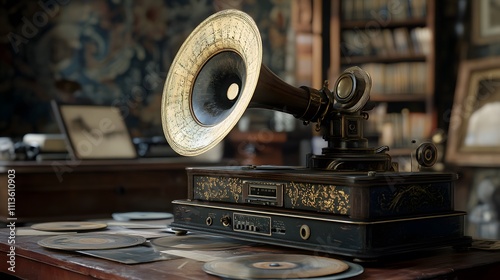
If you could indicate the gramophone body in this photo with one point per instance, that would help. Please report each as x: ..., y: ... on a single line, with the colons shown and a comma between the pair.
x: 350, y: 200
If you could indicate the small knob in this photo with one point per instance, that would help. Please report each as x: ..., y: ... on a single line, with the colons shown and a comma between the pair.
x: 427, y: 154
x: 305, y: 232
x: 225, y: 220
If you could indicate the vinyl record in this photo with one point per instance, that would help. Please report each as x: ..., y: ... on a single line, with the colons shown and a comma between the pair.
x: 198, y: 242
x: 130, y: 216
x: 275, y: 266
x: 91, y: 241
x: 69, y: 226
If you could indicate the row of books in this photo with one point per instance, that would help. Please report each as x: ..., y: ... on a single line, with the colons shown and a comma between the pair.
x: 386, y: 42
x: 383, y: 10
x: 397, y: 78
x: 398, y: 130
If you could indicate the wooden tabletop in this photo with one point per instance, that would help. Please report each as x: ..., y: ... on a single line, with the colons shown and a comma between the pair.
x: 35, y: 262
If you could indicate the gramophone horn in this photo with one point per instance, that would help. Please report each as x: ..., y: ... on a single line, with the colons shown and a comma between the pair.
x: 215, y: 76
x: 211, y: 82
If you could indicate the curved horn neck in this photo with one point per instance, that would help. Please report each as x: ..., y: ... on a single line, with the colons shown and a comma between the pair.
x: 273, y: 93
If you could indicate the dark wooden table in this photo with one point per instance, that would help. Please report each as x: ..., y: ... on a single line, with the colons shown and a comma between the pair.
x: 35, y: 262
x: 92, y: 189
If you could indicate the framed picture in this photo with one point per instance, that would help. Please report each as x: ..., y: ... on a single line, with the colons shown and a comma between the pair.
x: 474, y: 132
x: 485, y: 21
x: 94, y: 132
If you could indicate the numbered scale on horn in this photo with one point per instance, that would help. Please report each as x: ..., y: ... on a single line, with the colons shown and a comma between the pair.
x: 347, y: 200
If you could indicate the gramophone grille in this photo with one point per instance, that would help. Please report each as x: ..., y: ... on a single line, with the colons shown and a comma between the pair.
x: 211, y: 82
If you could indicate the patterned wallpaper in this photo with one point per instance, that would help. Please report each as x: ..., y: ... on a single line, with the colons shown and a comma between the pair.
x: 107, y: 52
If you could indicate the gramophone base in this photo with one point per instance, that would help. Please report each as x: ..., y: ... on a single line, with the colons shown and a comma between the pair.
x: 322, y: 232
x: 364, y: 215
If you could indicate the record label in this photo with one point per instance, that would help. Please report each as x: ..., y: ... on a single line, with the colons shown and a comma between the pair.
x: 275, y: 265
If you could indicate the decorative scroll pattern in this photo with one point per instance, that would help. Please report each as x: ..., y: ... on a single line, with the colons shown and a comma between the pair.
x: 318, y: 197
x: 414, y: 198
x: 217, y: 188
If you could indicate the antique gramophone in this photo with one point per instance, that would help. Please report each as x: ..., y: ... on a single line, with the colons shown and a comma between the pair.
x: 350, y: 200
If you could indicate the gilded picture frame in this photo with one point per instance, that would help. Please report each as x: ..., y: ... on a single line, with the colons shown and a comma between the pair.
x: 485, y: 21
x: 474, y: 131
x: 94, y: 132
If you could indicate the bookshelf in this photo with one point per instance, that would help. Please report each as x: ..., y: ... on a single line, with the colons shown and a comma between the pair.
x: 394, y: 42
